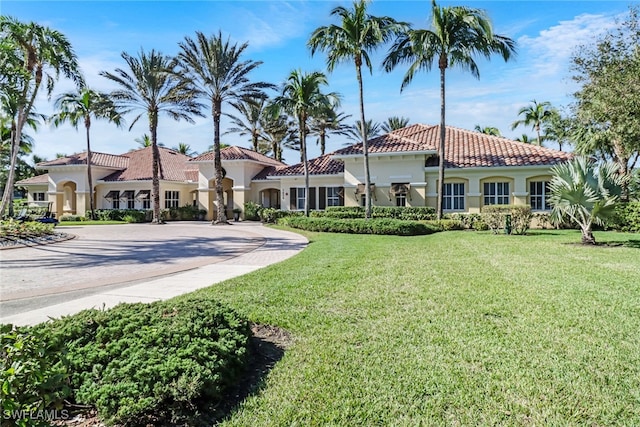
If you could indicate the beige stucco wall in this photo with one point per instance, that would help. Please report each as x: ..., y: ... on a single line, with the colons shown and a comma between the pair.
x: 286, y: 183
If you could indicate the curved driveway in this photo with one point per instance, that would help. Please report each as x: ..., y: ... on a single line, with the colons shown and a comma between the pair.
x: 108, y: 257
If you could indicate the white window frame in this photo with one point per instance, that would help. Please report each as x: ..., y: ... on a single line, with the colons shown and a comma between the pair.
x: 171, y: 199
x: 115, y: 202
x: 401, y: 200
x: 333, y: 196
x: 542, y: 199
x: 38, y: 196
x: 301, y: 195
x: 496, y: 193
x: 453, y: 198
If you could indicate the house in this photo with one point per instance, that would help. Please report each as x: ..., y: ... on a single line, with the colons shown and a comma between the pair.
x: 480, y: 170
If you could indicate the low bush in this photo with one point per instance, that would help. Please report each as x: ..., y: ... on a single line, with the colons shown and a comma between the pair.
x: 153, y: 363
x: 12, y: 229
x: 447, y: 224
x: 409, y: 213
x: 72, y: 218
x: 471, y: 221
x: 627, y: 217
x: 272, y: 215
x: 252, y: 211
x: 33, y: 377
x: 361, y: 226
x: 495, y: 216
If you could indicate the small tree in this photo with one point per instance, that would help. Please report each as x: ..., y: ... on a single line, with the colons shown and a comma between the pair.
x: 585, y: 193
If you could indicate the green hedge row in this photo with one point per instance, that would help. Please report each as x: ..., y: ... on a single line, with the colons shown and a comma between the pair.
x: 361, y: 226
x: 418, y: 213
x: 627, y: 217
x: 158, y: 363
x: 183, y: 213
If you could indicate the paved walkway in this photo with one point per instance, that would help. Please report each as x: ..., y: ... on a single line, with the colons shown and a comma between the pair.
x: 108, y: 265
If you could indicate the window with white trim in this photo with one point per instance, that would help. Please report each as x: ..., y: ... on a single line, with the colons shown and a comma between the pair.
x: 300, y: 198
x: 539, y: 195
x: 171, y: 199
x: 453, y: 197
x: 333, y: 196
x: 401, y: 199
x: 115, y: 202
x: 38, y: 197
x: 496, y: 193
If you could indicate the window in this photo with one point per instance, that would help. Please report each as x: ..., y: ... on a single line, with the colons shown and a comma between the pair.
x: 496, y: 193
x: 539, y: 193
x: 453, y: 198
x: 363, y: 200
x: 38, y: 197
x: 115, y: 201
x: 146, y: 203
x: 333, y: 196
x: 171, y: 199
x: 300, y: 197
x: 128, y: 196
x: 401, y: 199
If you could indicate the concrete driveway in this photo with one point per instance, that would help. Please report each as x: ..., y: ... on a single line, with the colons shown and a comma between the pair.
x: 107, y: 257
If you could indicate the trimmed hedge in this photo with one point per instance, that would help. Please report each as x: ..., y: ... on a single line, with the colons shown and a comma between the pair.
x: 495, y: 217
x: 156, y: 363
x: 409, y: 213
x: 627, y: 217
x: 361, y: 226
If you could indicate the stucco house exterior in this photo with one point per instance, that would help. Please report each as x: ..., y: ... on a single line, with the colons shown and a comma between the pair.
x: 480, y: 170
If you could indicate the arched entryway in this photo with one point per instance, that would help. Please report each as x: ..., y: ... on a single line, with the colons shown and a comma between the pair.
x: 66, y: 199
x: 270, y: 198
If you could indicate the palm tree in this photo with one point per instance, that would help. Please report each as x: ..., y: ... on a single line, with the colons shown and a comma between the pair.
x: 33, y: 54
x: 372, y: 129
x: 144, y: 141
x: 525, y: 139
x: 357, y: 36
x: 80, y: 106
x: 301, y: 97
x: 278, y: 130
x: 328, y: 122
x: 488, y: 130
x: 457, y: 35
x: 585, y: 192
x: 394, y: 123
x: 221, y: 76
x: 558, y: 129
x: 251, y: 110
x: 150, y: 87
x: 185, y: 149
x: 535, y: 115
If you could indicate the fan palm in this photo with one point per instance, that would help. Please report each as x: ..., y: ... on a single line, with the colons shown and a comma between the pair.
x: 150, y: 87
x: 535, y: 115
x: 301, y: 97
x: 394, y: 123
x: 32, y: 55
x: 78, y: 107
x: 220, y: 74
x: 585, y: 192
x: 457, y: 35
x: 251, y: 110
x: 328, y: 122
x: 357, y: 36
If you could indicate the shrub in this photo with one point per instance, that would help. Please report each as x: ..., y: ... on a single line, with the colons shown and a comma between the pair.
x: 72, y: 218
x: 447, y: 224
x: 252, y: 211
x: 152, y: 363
x: 33, y: 377
x: 272, y: 215
x: 409, y: 213
x: 495, y: 216
x: 627, y: 217
x: 12, y: 229
x: 469, y: 220
x: 361, y: 226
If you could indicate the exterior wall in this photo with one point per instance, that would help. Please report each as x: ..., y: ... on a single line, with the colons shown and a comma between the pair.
x: 517, y: 177
x: 32, y: 189
x: 385, y: 171
x: 287, y: 183
x: 102, y: 189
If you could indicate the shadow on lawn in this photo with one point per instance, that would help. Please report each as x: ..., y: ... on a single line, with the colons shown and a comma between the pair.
x: 624, y: 243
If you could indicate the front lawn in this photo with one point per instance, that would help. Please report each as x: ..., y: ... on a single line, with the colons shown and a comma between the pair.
x: 455, y: 328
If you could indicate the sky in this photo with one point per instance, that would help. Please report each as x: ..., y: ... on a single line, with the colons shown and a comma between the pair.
x: 547, y: 33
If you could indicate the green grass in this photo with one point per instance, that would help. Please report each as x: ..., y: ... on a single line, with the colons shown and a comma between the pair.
x: 74, y: 223
x: 455, y: 328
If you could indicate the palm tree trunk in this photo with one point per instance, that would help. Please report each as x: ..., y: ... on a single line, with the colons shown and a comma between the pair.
x: 443, y: 135
x: 155, y: 183
x: 587, y: 236
x: 305, y: 166
x: 365, y: 143
x: 323, y: 142
x: 89, y: 177
x: 217, y: 163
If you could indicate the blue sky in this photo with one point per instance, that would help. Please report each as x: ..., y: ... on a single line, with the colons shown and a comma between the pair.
x: 546, y: 33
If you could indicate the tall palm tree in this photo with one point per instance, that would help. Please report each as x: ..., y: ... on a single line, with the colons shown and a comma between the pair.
x: 488, y: 130
x: 328, y: 122
x: 33, y: 55
x: 185, y: 149
x: 558, y: 129
x: 278, y: 130
x: 78, y: 107
x: 585, y: 193
x: 251, y: 110
x: 535, y: 115
x: 150, y: 87
x: 357, y: 36
x: 456, y: 36
x: 301, y: 97
x: 394, y: 123
x: 372, y: 129
x: 221, y: 75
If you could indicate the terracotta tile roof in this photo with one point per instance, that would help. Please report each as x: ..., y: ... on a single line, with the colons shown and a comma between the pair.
x: 389, y: 143
x: 268, y: 171
x: 323, y: 165
x: 34, y: 180
x: 174, y: 166
x: 97, y: 159
x: 238, y: 153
